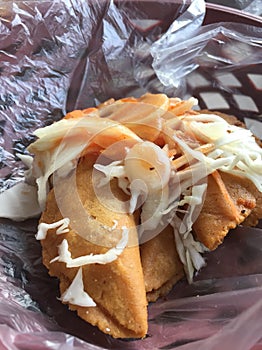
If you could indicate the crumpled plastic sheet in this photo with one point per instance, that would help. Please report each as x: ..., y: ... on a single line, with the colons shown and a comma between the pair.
x: 222, y: 306
x: 254, y: 7
x: 61, y: 55
x: 239, y: 46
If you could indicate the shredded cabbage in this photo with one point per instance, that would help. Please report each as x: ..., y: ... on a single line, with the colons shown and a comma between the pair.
x: 236, y: 145
x: 159, y: 206
x: 52, y: 160
x: 19, y: 202
x: 194, y: 200
x: 73, y: 128
x: 108, y: 257
x: 114, y: 169
x: 75, y: 293
x: 61, y: 225
x: 138, y: 191
x: 152, y: 210
x: 189, y: 251
x: 62, y: 142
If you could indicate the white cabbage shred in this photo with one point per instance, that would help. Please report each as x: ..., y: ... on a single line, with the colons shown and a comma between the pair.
x: 75, y: 294
x: 19, y: 202
x: 61, y: 143
x: 235, y: 145
x: 61, y: 226
x: 114, y: 169
x: 64, y: 255
x: 189, y: 250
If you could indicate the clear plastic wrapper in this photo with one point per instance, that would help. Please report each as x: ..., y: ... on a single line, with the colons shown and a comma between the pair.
x: 63, y: 55
x: 238, y: 47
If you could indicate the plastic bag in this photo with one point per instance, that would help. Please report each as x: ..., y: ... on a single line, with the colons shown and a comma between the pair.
x: 238, y: 46
x: 61, y: 55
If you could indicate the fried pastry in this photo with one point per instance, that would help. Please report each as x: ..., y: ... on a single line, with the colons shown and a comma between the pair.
x: 116, y: 288
x: 133, y: 192
x: 227, y: 204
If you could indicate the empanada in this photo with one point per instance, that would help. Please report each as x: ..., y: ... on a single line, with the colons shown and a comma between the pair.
x: 117, y: 288
x: 110, y: 178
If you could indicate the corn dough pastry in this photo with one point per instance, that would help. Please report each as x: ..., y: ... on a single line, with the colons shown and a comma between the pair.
x: 133, y: 192
x: 117, y: 287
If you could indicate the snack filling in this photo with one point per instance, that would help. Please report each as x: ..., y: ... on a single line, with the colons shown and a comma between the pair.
x: 132, y: 194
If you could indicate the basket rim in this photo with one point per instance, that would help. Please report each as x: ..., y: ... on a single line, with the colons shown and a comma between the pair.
x: 233, y: 11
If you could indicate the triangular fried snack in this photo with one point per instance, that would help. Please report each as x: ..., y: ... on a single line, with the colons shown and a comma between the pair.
x: 117, y: 287
x: 226, y: 205
x: 244, y: 192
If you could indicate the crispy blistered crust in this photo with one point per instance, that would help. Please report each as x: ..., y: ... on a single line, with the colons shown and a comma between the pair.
x: 117, y: 287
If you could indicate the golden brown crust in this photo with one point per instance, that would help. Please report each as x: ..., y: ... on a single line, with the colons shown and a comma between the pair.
x: 226, y: 205
x: 117, y: 287
x: 256, y: 213
x: 164, y: 289
x: 160, y: 260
